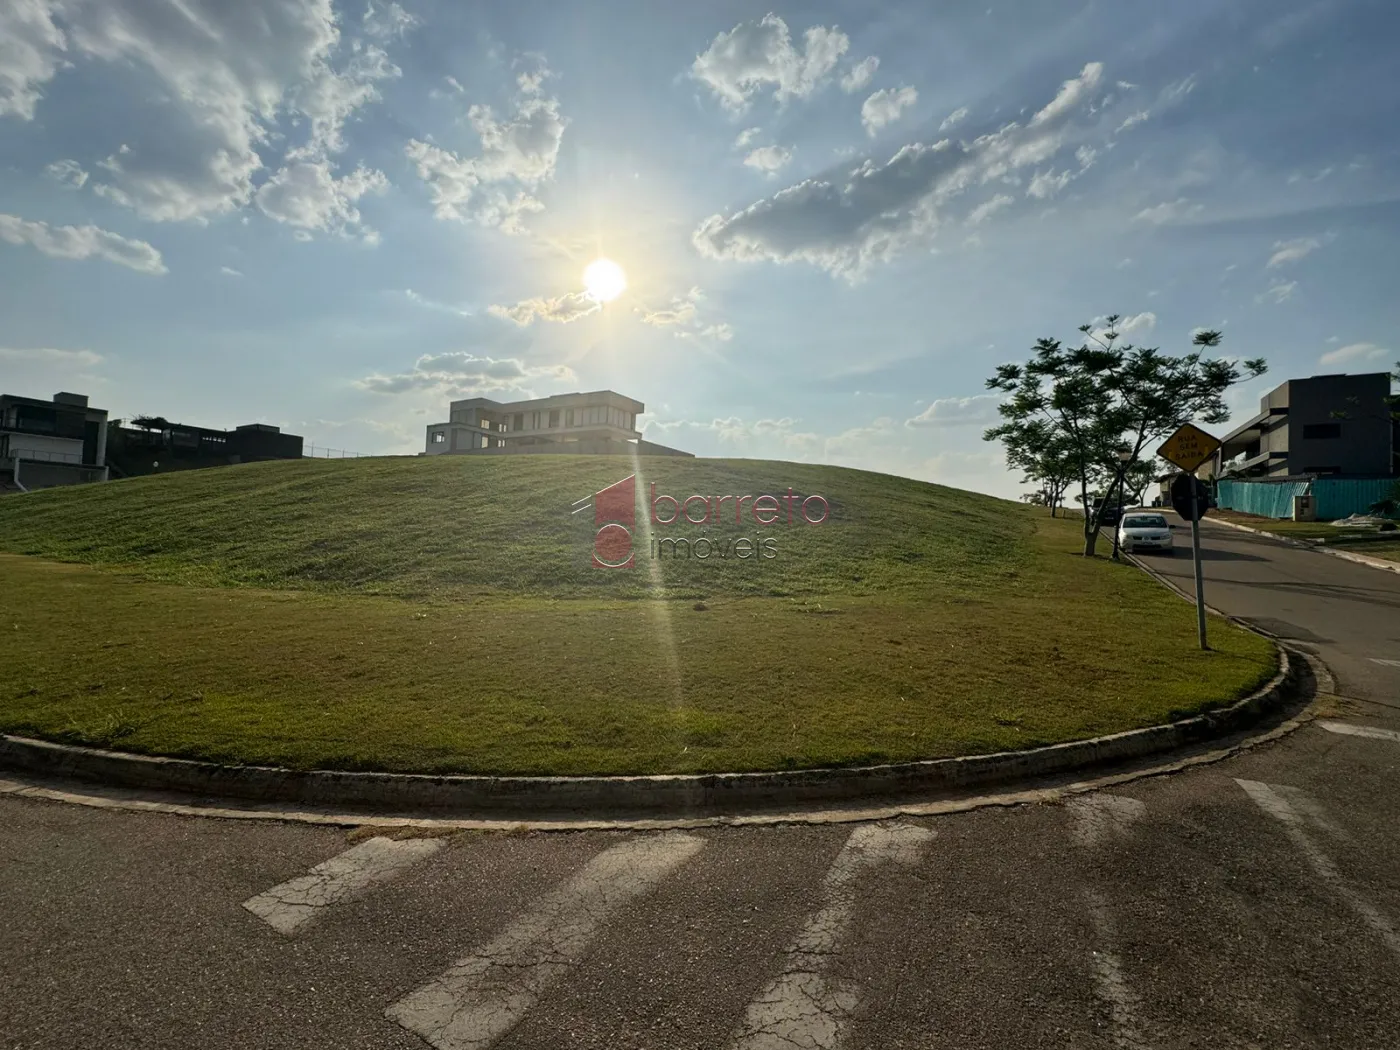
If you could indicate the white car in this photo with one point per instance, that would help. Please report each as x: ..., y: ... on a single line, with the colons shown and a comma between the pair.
x: 1141, y: 531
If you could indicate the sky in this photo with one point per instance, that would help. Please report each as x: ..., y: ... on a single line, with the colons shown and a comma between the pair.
x: 836, y: 218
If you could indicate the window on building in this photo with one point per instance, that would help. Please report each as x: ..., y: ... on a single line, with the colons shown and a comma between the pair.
x: 553, y: 418
x: 517, y: 421
x: 439, y: 436
x: 568, y: 417
x: 1321, y: 431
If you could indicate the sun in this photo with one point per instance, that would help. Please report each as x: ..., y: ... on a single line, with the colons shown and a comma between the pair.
x: 604, y: 280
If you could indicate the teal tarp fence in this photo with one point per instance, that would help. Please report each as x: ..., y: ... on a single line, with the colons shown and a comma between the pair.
x: 1267, y: 499
x: 1341, y: 497
x: 1334, y: 497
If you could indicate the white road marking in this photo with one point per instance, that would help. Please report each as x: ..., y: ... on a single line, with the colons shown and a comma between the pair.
x: 1371, y: 732
x: 1099, y: 816
x: 1276, y: 805
x: 1384, y: 663
x: 290, y: 906
x: 803, y: 1008
x: 484, y: 995
x: 1109, y: 983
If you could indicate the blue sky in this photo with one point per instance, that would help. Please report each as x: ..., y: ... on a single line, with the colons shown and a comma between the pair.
x: 836, y: 218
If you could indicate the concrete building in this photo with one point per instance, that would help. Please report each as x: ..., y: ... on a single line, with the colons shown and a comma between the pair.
x: 178, y: 446
x: 1319, y: 426
x: 62, y: 441
x: 598, y: 423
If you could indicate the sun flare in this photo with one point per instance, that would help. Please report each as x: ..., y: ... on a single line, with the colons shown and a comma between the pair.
x: 604, y: 280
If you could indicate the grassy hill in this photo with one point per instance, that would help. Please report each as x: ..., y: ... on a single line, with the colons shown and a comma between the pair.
x: 458, y: 526
x: 442, y: 614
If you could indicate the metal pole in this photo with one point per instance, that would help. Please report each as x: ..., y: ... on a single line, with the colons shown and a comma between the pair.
x: 1196, y: 558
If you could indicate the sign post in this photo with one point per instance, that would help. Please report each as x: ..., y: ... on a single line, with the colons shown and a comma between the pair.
x: 1188, y: 448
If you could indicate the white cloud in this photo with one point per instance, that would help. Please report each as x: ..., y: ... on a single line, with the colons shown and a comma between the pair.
x: 1143, y: 322
x: 723, y: 332
x: 1133, y: 121
x: 1292, y: 251
x: 769, y: 159
x: 681, y: 310
x: 561, y: 309
x: 859, y: 74
x: 754, y: 56
x: 52, y: 356
x: 683, y: 314
x: 30, y: 53
x: 958, y: 411
x: 388, y: 21
x: 1072, y: 93
x: 229, y: 271
x: 746, y: 136
x: 1045, y: 184
x: 224, y: 73
x: 845, y: 223
x: 433, y: 304
x: 953, y: 119
x: 67, y: 173
x: 82, y: 242
x: 987, y: 209
x: 517, y: 155
x: 1279, y: 292
x: 1168, y: 211
x: 307, y: 196
x: 885, y: 106
x: 1353, y: 352
x: 459, y: 373
x: 1085, y: 155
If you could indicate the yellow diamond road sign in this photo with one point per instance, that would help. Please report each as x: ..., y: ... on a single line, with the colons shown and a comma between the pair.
x: 1189, y: 447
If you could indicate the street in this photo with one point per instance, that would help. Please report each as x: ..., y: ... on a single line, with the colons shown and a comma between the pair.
x: 1251, y: 904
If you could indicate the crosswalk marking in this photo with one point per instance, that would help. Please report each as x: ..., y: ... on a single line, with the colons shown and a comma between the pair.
x: 1097, y: 818
x: 1100, y: 816
x: 484, y: 995
x: 803, y: 1007
x: 1275, y: 804
x: 292, y: 905
x: 1371, y: 732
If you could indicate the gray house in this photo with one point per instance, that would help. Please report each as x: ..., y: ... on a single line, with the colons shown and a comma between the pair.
x: 601, y: 422
x: 44, y: 443
x: 1319, y: 426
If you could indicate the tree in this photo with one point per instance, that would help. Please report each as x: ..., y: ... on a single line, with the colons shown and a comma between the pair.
x: 1045, y: 460
x: 1388, y: 506
x: 150, y: 422
x: 1091, y: 401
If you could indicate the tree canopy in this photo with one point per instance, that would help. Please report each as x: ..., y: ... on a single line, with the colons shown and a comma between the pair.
x: 1087, y: 413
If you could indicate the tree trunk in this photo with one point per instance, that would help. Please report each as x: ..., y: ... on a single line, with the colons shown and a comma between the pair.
x: 1091, y: 530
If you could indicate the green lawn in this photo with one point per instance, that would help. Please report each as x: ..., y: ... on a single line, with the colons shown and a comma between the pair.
x: 442, y: 615
x: 1362, y: 541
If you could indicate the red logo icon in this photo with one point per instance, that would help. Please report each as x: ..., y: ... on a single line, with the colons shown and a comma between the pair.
x: 615, y: 514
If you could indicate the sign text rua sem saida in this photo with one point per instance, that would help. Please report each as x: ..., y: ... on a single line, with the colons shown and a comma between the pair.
x: 615, y: 515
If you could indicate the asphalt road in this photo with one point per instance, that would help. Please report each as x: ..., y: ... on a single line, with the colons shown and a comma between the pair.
x: 1251, y: 904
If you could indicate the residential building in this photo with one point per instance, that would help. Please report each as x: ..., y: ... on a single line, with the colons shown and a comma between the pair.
x: 598, y: 423
x: 62, y: 441
x: 1319, y: 426
x: 177, y: 446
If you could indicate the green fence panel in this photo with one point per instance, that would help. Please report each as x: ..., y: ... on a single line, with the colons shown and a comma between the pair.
x: 1342, y: 497
x: 1266, y: 499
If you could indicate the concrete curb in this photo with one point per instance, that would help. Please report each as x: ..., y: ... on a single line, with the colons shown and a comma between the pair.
x: 696, y: 796
x: 1321, y: 548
